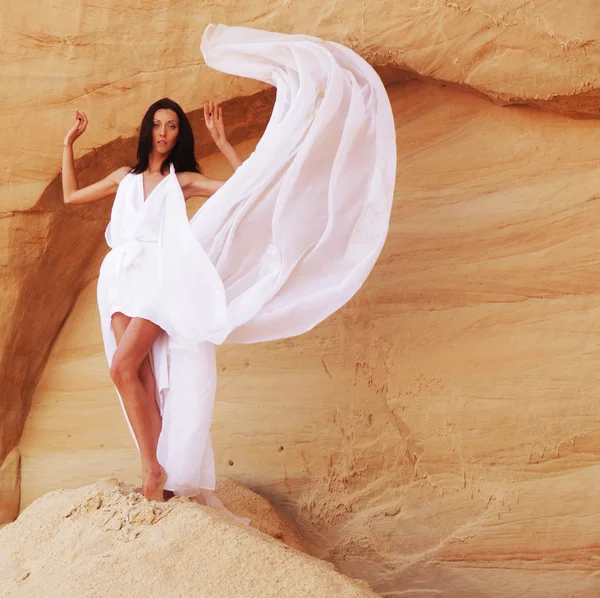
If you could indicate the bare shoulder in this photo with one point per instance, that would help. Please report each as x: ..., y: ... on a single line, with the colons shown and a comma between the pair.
x: 188, y: 179
x: 118, y: 175
x: 195, y: 184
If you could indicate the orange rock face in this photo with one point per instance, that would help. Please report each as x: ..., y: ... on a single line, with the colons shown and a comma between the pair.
x: 440, y: 433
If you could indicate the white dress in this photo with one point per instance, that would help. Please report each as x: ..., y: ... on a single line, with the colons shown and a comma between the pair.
x: 284, y: 243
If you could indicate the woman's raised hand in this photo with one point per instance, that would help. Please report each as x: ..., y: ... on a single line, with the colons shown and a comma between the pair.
x: 77, y: 129
x: 213, y: 117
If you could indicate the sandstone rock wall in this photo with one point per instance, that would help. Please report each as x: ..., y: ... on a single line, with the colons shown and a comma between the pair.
x: 440, y: 433
x: 112, y: 60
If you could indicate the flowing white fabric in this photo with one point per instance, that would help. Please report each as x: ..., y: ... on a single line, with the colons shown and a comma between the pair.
x: 286, y: 241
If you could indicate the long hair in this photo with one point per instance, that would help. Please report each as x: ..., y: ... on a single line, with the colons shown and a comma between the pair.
x: 182, y: 155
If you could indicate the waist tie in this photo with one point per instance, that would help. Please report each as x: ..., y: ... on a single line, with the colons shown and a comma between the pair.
x: 127, y: 256
x: 130, y: 252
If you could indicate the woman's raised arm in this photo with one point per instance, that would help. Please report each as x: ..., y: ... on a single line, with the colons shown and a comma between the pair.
x: 213, y: 117
x: 100, y: 190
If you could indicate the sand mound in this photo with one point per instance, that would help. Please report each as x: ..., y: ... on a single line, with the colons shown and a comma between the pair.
x: 106, y: 540
x: 263, y: 515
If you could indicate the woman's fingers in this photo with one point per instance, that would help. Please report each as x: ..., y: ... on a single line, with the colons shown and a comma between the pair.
x: 81, y: 122
x: 213, y: 116
x: 77, y: 122
x: 79, y: 126
x: 209, y: 114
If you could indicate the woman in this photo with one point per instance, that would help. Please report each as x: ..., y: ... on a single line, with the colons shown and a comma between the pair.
x: 165, y: 138
x: 277, y: 248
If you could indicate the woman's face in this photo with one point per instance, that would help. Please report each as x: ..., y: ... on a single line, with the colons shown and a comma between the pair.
x: 165, y: 130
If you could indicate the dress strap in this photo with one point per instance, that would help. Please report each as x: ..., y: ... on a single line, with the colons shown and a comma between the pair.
x: 171, y: 168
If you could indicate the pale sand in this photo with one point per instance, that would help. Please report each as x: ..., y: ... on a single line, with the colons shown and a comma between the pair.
x: 105, y: 540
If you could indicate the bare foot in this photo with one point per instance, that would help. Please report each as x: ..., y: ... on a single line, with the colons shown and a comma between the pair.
x: 208, y: 498
x: 167, y: 494
x: 153, y: 484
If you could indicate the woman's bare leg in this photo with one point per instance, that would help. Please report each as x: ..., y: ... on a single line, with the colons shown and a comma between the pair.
x: 135, y: 337
x: 146, y: 376
x: 148, y: 381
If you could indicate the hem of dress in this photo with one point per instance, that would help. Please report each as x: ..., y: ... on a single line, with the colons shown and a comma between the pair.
x: 189, y: 493
x: 144, y: 313
x: 147, y: 313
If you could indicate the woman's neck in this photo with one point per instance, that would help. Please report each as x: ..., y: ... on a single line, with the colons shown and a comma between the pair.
x: 154, y: 163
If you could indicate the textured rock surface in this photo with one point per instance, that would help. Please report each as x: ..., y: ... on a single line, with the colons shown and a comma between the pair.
x: 440, y: 433
x: 105, y: 540
x: 10, y: 487
x: 57, y: 58
x: 438, y: 436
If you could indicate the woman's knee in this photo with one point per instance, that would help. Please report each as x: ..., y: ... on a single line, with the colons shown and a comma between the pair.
x: 123, y: 370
